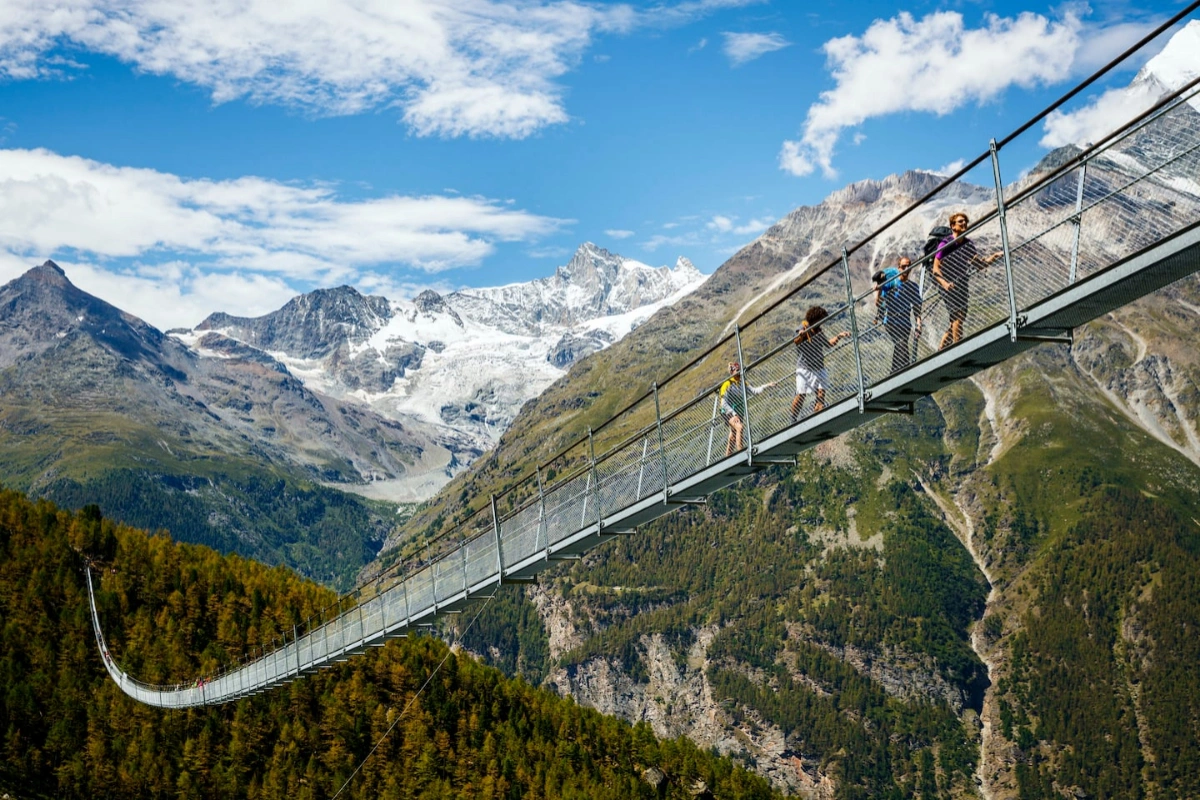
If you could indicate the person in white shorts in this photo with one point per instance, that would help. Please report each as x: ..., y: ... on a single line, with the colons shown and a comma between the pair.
x: 811, y: 375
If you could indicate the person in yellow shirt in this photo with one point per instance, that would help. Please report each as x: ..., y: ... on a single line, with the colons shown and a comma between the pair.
x: 733, y: 406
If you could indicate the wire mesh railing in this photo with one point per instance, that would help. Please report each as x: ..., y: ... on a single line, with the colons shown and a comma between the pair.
x: 1061, y: 225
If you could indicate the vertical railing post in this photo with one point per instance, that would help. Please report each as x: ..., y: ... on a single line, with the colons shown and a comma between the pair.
x: 543, y: 522
x: 1008, y: 272
x: 407, y: 610
x: 862, y: 383
x: 296, y: 638
x: 662, y: 452
x: 712, y: 430
x: 383, y: 606
x: 595, y: 482
x: 1077, y: 221
x: 462, y: 547
x: 642, y: 466
x: 920, y: 293
x: 587, y: 489
x: 737, y: 335
x: 499, y: 546
x: 325, y: 626
x: 432, y: 574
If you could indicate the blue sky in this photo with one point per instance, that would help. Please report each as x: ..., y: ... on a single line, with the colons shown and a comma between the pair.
x: 183, y: 158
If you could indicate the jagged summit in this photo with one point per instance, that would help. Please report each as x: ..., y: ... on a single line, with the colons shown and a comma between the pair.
x: 43, y: 309
x: 429, y: 301
x: 49, y: 272
x: 588, y: 259
x: 912, y: 183
x: 310, y: 325
x: 450, y: 359
x: 594, y: 283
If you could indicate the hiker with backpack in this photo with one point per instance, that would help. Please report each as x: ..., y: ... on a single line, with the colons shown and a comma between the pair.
x: 733, y: 406
x: 898, y: 304
x: 954, y: 261
x: 811, y: 344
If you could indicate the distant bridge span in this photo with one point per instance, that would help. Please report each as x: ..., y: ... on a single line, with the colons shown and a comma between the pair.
x: 1109, y: 225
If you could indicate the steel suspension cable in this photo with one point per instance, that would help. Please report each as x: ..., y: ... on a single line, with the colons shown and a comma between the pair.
x: 449, y: 652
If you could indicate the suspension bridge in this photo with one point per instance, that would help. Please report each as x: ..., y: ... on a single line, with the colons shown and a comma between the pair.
x: 1100, y: 228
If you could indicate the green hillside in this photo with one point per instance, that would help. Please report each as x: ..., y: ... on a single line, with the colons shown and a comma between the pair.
x: 818, y: 577
x: 172, y: 611
x: 151, y: 478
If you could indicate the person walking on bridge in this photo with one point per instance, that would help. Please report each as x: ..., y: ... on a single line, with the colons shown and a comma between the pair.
x: 811, y: 344
x: 956, y: 258
x: 898, y: 300
x: 733, y: 406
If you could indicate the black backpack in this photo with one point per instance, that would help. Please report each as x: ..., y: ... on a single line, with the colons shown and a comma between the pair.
x: 936, y: 236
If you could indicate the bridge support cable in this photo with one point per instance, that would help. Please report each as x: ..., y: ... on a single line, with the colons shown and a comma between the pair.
x: 1005, y: 251
x: 854, y: 335
x: 746, y: 426
x: 1116, y: 222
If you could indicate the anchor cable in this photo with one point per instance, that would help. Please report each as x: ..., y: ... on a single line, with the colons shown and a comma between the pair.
x: 449, y: 651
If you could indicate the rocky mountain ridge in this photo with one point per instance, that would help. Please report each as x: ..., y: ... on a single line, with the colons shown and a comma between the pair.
x: 463, y: 363
x: 96, y: 406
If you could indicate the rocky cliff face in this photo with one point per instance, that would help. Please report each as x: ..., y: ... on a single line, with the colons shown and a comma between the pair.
x: 314, y: 325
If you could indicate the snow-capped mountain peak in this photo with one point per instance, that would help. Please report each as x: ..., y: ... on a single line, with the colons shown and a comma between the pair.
x: 1178, y: 62
x: 465, y: 362
x: 594, y: 283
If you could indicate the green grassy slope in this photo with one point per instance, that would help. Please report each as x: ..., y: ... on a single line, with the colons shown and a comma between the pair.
x: 151, y: 477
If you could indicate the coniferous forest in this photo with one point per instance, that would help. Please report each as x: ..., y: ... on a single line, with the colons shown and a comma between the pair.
x: 172, y: 611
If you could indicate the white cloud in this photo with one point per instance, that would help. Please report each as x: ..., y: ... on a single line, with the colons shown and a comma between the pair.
x: 743, y: 47
x: 1097, y: 118
x: 202, y: 244
x: 723, y: 224
x: 1102, y: 43
x: 755, y: 226
x: 553, y: 251
x: 618, y: 234
x: 934, y: 64
x: 1168, y: 70
x: 49, y: 203
x: 177, y: 294
x: 946, y: 170
x: 658, y: 240
x: 454, y: 67
x: 720, y: 224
